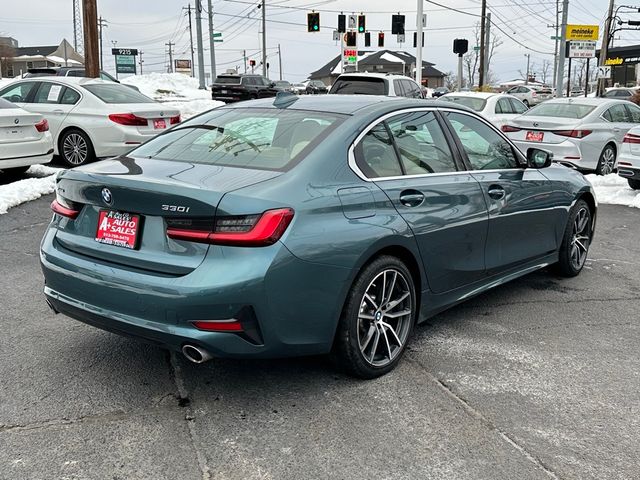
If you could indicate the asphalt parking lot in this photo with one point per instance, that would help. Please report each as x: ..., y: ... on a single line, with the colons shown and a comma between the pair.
x: 539, y: 378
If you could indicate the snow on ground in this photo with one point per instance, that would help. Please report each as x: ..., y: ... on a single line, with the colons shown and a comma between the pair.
x: 175, y: 90
x: 613, y: 189
x: 42, y: 183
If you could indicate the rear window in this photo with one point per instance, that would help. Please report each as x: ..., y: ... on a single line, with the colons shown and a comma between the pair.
x: 263, y: 139
x: 473, y: 103
x: 116, y: 93
x: 561, y: 110
x: 228, y: 80
x: 360, y: 86
x: 6, y: 104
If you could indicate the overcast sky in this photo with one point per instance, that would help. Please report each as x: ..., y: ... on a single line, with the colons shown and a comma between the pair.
x: 149, y: 24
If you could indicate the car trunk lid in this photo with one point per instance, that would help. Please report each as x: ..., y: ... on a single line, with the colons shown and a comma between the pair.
x: 541, y: 129
x: 18, y: 126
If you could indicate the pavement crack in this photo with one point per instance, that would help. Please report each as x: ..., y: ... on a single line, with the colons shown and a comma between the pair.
x: 185, y: 402
x: 94, y: 418
x: 485, y: 421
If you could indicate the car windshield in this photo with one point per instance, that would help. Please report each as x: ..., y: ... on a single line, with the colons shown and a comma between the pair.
x: 359, y: 86
x: 6, y: 104
x: 228, y: 80
x: 116, y: 93
x: 282, y: 83
x: 268, y: 139
x: 561, y: 110
x: 474, y: 103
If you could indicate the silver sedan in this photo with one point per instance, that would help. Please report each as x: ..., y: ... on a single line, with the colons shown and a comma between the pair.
x: 583, y: 133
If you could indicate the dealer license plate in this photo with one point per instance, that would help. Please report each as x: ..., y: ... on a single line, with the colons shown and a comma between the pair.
x: 160, y: 123
x: 118, y: 228
x: 534, y: 136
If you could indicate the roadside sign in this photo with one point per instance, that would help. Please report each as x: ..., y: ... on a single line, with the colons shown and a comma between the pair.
x: 182, y: 66
x: 353, y: 21
x: 603, y: 72
x: 217, y: 40
x: 124, y: 51
x: 217, y: 34
x: 336, y: 35
x: 554, y: 37
x: 401, y: 38
x: 125, y: 64
x: 582, y: 49
x: 350, y: 55
x: 476, y: 49
x: 583, y: 32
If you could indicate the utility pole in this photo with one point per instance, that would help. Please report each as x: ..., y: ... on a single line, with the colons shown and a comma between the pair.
x: 244, y: 57
x: 280, y: 60
x: 170, y: 45
x: 604, y: 51
x: 141, y: 61
x: 193, y: 62
x: 77, y: 27
x: 562, y: 47
x: 114, y: 43
x: 200, y: 47
x: 487, y: 47
x: 419, y: 44
x: 526, y: 79
x: 101, y: 23
x: 483, y: 22
x: 212, y: 44
x: 264, y: 38
x: 90, y: 24
x: 556, y: 38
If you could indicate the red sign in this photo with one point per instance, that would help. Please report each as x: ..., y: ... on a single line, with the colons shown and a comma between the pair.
x: 534, y: 136
x: 118, y: 228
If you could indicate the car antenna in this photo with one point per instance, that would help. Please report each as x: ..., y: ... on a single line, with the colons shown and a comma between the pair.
x: 285, y: 99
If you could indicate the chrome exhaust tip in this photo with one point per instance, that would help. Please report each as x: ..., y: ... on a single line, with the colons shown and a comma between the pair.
x: 196, y: 354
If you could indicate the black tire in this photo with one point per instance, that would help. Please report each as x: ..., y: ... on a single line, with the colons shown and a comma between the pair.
x: 75, y: 148
x: 576, y: 241
x: 526, y: 103
x: 607, y: 160
x: 387, y: 330
x: 16, y: 171
x: 635, y: 184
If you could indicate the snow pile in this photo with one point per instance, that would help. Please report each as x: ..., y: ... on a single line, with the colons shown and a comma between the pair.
x: 42, y: 183
x: 174, y: 90
x: 613, y: 189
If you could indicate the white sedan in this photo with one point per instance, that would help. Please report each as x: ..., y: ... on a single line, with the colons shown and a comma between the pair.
x: 498, y: 108
x: 629, y: 158
x: 91, y: 118
x: 25, y: 139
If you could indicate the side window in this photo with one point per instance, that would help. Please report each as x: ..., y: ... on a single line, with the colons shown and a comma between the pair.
x: 422, y: 145
x: 375, y: 154
x: 517, y: 106
x: 48, y: 93
x: 618, y: 113
x: 77, y: 73
x: 485, y: 148
x: 247, y: 81
x: 398, y: 88
x: 412, y: 89
x: 607, y: 115
x: 69, y: 97
x: 634, y: 112
x: 17, y: 93
x: 503, y: 106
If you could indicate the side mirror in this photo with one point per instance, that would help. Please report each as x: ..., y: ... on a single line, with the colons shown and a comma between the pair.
x: 272, y: 84
x: 537, y: 158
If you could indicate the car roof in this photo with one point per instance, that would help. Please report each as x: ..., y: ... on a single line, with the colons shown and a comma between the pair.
x: 375, y: 75
x: 79, y: 81
x: 347, y: 104
x: 596, y: 101
x: 475, y: 94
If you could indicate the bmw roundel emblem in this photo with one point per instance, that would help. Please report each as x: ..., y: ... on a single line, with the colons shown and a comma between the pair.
x: 16, y: 121
x: 106, y: 196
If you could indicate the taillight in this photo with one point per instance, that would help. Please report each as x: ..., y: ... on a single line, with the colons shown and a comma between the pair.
x: 572, y: 133
x: 174, y: 120
x: 42, y: 125
x: 246, y: 230
x: 63, y: 210
x: 631, y: 138
x: 534, y: 94
x: 128, y: 119
x: 218, y: 325
x: 510, y: 128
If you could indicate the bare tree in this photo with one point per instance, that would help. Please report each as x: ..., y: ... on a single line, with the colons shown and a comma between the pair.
x: 451, y: 81
x: 544, y: 70
x: 471, y: 59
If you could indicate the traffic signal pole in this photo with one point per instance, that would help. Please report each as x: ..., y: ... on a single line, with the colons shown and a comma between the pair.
x: 212, y: 43
x: 264, y: 39
x: 419, y: 44
x: 562, y: 48
x: 199, y: 43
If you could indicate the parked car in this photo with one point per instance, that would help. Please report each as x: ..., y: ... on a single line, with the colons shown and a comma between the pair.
x: 375, y: 84
x: 70, y: 72
x: 378, y: 213
x: 283, y: 86
x: 235, y: 88
x: 620, y: 93
x: 91, y: 118
x: 498, y: 108
x: 629, y: 158
x: 530, y: 95
x: 25, y: 139
x: 583, y: 133
x: 316, y: 87
x: 299, y: 88
x: 440, y: 91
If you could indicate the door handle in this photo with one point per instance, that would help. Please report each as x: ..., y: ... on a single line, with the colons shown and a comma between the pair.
x: 497, y: 192
x: 411, y: 198
x: 58, y: 112
x: 616, y: 130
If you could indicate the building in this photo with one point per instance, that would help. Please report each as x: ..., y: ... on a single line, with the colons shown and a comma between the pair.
x: 624, y: 63
x: 383, y: 61
x: 17, y: 60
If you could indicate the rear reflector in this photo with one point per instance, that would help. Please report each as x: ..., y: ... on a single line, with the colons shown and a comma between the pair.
x: 64, y: 211
x: 174, y: 120
x: 42, y: 125
x: 572, y: 133
x: 218, y: 325
x: 128, y: 119
x: 631, y: 138
x: 624, y: 164
x: 247, y: 231
x: 510, y: 128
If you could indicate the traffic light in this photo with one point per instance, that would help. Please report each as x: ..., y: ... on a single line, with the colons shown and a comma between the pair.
x: 381, y: 39
x: 350, y: 39
x: 415, y: 39
x: 342, y: 23
x: 460, y: 46
x: 367, y: 39
x: 252, y: 63
x: 361, y: 24
x: 313, y: 22
x: 397, y: 24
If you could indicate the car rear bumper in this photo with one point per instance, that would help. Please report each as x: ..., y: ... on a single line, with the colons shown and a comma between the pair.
x: 22, y: 154
x: 159, y: 309
x: 26, y: 161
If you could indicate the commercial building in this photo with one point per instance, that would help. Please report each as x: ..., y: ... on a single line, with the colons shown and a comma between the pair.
x: 16, y: 60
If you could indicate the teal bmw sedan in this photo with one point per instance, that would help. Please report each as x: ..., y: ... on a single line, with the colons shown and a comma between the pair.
x: 308, y: 225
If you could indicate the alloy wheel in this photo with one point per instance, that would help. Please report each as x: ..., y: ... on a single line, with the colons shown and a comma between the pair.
x: 608, y: 161
x: 75, y: 149
x: 580, y: 238
x: 384, y: 319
